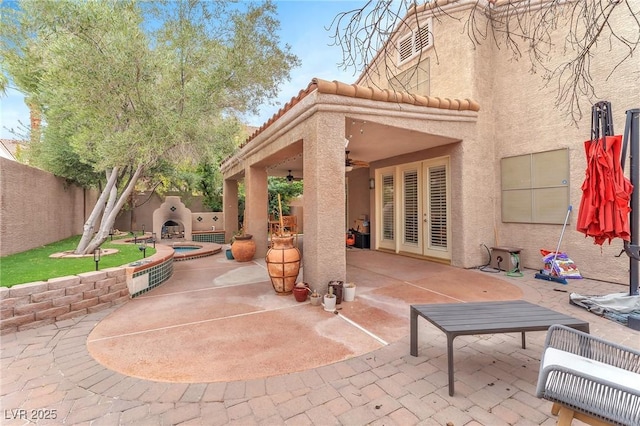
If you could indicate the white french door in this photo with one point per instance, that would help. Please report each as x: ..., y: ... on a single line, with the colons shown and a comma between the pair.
x: 413, y: 208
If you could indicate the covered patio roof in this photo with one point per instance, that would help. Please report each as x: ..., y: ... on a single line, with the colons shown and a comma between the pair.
x: 365, y: 137
x: 308, y: 138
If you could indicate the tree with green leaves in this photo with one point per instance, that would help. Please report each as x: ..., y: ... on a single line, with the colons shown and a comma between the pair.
x: 210, y: 185
x: 126, y: 87
x: 287, y: 191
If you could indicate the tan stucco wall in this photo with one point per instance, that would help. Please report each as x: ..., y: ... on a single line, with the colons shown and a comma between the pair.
x: 146, y: 203
x: 324, y: 259
x: 449, y: 68
x: 526, y: 121
x: 37, y: 207
x: 517, y: 116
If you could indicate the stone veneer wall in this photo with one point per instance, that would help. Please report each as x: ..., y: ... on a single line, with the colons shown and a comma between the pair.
x: 32, y: 305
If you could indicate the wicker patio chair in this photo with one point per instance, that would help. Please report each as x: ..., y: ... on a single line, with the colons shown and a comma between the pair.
x: 590, y: 379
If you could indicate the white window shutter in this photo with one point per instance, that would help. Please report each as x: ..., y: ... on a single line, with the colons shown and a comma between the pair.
x: 405, y: 48
x: 411, y: 229
x: 438, y: 206
x: 423, y: 38
x: 388, y: 207
x: 415, y: 42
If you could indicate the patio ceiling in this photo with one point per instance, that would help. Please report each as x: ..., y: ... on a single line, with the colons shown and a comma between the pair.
x: 365, y: 140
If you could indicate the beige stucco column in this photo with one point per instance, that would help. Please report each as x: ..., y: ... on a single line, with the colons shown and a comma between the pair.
x: 324, y: 202
x: 256, y: 217
x: 230, y: 207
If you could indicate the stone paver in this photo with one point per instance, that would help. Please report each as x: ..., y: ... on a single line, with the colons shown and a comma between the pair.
x: 48, y: 377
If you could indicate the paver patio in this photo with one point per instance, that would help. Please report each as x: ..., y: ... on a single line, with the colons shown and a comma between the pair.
x: 49, y: 371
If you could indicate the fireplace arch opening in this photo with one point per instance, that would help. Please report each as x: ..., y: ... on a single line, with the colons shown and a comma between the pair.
x: 172, y: 230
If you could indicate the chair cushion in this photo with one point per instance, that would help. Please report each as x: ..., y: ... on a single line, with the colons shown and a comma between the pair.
x: 590, y: 367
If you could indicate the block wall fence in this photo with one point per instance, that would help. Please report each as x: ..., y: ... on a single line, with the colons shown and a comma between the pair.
x: 37, y: 207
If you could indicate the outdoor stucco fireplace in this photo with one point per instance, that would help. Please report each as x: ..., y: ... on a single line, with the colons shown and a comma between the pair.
x: 172, y: 219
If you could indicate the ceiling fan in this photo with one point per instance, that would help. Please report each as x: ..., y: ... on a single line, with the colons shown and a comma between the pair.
x: 290, y: 177
x: 350, y: 164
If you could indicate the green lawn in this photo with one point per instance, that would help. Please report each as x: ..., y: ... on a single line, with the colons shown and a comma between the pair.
x: 36, y: 265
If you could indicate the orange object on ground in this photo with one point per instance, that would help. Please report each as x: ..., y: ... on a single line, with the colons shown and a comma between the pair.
x: 351, y: 239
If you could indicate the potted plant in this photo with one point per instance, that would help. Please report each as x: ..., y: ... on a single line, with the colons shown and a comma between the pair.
x: 315, y: 298
x: 243, y: 247
x: 330, y: 301
x: 349, y: 292
x: 283, y: 259
x: 301, y: 292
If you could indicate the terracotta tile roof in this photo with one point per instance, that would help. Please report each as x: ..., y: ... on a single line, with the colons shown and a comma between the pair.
x: 10, y: 147
x: 371, y: 93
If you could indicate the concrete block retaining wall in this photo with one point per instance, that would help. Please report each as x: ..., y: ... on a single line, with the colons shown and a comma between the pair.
x: 32, y: 305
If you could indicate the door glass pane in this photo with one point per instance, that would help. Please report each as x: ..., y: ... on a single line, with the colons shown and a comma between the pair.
x: 438, y: 206
x: 388, y: 216
x: 410, y: 178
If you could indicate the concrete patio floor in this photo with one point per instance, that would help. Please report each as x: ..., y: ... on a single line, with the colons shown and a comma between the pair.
x: 215, y: 345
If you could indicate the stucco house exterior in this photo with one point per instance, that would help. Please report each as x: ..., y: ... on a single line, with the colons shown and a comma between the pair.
x: 475, y: 155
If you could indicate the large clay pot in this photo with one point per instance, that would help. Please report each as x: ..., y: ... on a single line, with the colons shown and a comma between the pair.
x: 283, y: 264
x: 243, y: 248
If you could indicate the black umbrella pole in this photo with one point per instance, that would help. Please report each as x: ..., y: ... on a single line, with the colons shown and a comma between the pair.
x: 633, y: 116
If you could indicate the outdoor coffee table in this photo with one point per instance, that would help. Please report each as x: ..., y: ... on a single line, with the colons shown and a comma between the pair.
x: 459, y: 319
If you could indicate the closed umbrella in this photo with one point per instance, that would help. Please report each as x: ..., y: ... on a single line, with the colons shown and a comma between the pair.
x: 606, y: 192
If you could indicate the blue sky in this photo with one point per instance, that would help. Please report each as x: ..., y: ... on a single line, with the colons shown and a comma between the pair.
x: 302, y: 26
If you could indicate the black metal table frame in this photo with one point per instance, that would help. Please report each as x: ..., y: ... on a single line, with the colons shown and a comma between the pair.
x: 460, y: 319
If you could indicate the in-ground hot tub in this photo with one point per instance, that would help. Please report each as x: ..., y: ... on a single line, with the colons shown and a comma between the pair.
x: 189, y: 250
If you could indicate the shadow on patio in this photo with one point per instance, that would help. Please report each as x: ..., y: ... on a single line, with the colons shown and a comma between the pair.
x: 220, y: 320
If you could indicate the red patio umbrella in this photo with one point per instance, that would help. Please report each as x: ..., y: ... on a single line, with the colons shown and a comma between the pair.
x: 606, y: 192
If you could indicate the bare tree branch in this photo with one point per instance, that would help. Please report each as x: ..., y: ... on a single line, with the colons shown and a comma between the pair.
x: 522, y: 28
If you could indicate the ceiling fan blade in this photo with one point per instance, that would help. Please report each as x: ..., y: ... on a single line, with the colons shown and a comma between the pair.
x: 350, y: 164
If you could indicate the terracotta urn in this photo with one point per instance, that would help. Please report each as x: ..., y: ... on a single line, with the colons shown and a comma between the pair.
x: 243, y: 248
x: 283, y: 264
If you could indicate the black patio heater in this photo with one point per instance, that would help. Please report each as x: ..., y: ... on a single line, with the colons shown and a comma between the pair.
x: 632, y: 248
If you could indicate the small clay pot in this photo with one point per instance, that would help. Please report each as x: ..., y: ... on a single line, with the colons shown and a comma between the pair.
x: 301, y: 293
